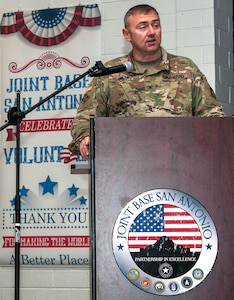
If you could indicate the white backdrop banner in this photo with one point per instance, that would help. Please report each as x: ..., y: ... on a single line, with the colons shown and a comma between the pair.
x: 41, y: 51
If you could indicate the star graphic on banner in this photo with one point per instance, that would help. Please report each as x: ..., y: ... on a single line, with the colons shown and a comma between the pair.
x: 24, y: 191
x: 73, y: 190
x: 83, y: 200
x: 12, y: 201
x: 48, y: 186
x: 208, y: 247
x: 120, y: 247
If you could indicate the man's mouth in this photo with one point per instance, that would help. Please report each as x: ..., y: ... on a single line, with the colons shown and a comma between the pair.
x: 151, y: 41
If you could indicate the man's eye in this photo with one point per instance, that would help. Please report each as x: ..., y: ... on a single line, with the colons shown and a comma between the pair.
x: 156, y: 25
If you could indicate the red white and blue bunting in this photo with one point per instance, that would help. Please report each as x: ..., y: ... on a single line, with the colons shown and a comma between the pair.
x: 50, y: 26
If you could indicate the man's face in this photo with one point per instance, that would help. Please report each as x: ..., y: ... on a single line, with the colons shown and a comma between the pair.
x: 144, y: 33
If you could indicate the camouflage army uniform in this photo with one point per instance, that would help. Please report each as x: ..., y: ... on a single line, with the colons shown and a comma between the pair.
x: 173, y: 87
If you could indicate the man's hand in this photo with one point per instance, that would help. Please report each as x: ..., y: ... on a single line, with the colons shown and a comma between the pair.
x: 84, y: 148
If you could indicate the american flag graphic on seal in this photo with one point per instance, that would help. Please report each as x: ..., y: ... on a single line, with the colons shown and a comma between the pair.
x: 164, y: 220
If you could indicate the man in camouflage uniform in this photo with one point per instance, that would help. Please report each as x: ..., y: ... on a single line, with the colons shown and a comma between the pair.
x: 160, y: 84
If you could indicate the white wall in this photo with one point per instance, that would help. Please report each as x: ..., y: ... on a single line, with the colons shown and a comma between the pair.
x: 188, y: 29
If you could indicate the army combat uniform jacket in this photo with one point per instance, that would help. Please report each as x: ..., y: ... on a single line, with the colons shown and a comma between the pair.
x: 171, y: 87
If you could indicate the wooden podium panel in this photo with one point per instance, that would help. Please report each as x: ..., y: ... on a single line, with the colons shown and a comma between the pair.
x: 193, y: 155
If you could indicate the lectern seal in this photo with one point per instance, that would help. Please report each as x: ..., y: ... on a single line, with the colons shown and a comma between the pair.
x: 165, y: 242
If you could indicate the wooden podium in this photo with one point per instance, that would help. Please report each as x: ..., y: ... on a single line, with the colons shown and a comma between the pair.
x: 134, y: 155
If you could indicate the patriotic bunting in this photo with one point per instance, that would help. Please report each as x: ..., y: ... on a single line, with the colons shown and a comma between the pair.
x: 50, y: 26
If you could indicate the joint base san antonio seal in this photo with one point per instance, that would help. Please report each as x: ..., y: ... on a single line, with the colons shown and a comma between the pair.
x: 165, y: 242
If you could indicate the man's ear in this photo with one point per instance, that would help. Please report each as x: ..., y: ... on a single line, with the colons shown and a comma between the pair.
x: 126, y: 34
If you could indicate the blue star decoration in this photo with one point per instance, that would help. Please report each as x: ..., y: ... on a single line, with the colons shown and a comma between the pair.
x: 24, y: 191
x: 208, y: 247
x: 73, y: 190
x: 82, y: 200
x: 120, y: 247
x: 12, y: 201
x: 48, y: 186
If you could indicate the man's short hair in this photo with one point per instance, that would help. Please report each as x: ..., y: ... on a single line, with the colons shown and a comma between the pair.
x: 138, y: 9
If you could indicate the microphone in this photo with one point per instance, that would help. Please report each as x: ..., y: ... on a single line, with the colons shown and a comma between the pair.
x: 126, y: 67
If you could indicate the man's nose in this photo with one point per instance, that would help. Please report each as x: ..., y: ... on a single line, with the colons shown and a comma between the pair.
x: 151, y: 29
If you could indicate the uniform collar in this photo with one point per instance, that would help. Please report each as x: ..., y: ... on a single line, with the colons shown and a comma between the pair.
x: 163, y: 65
